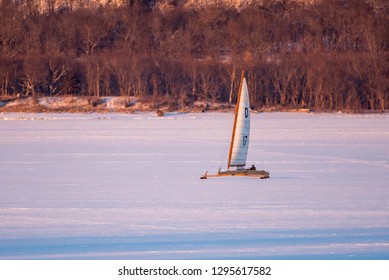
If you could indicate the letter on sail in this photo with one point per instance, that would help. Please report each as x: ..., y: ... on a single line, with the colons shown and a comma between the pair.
x: 241, y: 131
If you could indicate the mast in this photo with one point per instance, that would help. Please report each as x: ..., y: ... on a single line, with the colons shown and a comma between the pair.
x: 235, y: 119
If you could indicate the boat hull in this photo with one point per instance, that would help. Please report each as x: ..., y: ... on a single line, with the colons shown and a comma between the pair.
x: 261, y: 174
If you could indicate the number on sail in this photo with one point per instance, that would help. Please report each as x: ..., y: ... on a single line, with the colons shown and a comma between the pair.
x: 244, y: 140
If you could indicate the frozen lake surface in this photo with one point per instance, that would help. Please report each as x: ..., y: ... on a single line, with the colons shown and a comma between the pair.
x: 127, y: 187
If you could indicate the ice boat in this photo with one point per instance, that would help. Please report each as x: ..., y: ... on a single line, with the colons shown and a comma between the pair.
x: 240, y: 140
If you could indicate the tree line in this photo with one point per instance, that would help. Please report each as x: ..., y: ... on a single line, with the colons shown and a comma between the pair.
x: 327, y: 55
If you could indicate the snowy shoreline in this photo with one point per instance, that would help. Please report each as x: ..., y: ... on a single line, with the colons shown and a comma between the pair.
x: 131, y: 105
x: 175, y: 114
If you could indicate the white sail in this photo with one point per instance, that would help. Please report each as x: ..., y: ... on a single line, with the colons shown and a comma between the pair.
x: 241, y: 131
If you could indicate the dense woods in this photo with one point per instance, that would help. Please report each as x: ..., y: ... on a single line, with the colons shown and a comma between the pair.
x: 327, y: 55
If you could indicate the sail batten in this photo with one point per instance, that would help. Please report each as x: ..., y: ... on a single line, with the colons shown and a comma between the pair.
x: 241, y: 130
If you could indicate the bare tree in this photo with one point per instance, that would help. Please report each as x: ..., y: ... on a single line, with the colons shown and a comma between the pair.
x: 55, y: 75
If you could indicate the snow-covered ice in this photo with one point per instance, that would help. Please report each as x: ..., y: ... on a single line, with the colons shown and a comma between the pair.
x: 117, y: 186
